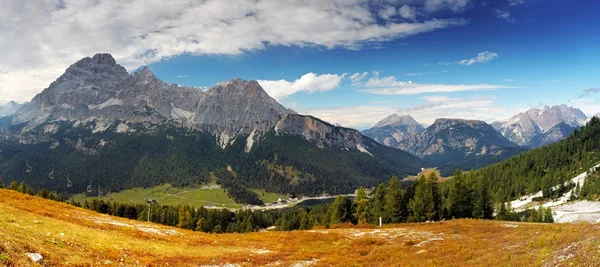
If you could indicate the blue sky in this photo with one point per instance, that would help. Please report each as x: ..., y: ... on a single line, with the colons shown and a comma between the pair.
x: 362, y: 61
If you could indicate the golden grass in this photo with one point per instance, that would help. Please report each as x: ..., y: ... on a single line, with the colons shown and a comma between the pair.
x: 66, y: 235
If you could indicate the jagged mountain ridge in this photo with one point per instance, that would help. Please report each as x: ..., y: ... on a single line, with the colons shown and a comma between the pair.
x: 534, y: 127
x: 96, y: 108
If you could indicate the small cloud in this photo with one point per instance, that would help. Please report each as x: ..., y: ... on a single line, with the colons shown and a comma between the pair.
x: 309, y: 82
x: 508, y: 80
x: 182, y: 76
x: 516, y: 2
x: 387, y: 12
x: 419, y: 73
x: 505, y: 15
x: 454, y: 5
x: 588, y: 92
x: 483, y: 57
x: 407, y: 12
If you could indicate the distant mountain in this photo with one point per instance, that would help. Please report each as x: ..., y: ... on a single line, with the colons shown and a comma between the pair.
x: 120, y: 130
x: 394, y: 129
x: 529, y: 128
x: 9, y: 108
x: 464, y: 144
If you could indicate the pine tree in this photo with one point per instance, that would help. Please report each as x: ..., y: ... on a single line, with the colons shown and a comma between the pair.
x: 460, y: 200
x: 363, y: 206
x: 393, y: 200
x: 13, y: 186
x: 1, y: 183
x: 379, y: 201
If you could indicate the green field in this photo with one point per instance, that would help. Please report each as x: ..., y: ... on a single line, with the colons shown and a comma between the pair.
x: 169, y: 195
x: 265, y: 196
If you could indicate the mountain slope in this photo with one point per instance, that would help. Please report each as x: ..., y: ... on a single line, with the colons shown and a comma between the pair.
x: 117, y: 130
x: 545, y: 167
x: 394, y: 129
x: 464, y: 144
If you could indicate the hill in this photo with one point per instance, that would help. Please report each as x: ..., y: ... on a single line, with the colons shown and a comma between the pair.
x: 65, y: 235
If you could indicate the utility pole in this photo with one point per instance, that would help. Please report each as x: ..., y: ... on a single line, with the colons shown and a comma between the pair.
x: 150, y: 202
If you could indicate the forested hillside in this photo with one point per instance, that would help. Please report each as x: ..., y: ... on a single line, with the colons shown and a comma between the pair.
x: 545, y: 167
x: 281, y: 163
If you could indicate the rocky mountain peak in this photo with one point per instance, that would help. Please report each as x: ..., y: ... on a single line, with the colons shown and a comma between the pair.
x: 396, y: 120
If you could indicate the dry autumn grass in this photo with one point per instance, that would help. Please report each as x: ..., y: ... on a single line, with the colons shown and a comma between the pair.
x: 68, y: 236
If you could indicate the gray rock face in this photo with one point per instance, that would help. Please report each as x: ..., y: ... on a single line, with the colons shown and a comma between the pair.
x: 394, y: 129
x: 99, y: 90
x: 9, y: 109
x: 529, y: 128
x: 323, y: 133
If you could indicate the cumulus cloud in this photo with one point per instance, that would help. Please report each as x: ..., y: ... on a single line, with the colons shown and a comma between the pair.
x: 46, y: 37
x: 505, y: 15
x: 357, y: 78
x: 483, y: 57
x: 391, y: 86
x: 309, y: 82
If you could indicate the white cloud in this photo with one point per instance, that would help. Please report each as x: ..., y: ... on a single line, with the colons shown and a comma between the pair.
x: 387, y: 12
x: 483, y: 57
x: 357, y: 78
x: 45, y: 38
x: 309, y: 82
x: 505, y: 15
x: 454, y: 5
x: 407, y: 12
x: 391, y: 86
x: 182, y: 76
x: 508, y: 80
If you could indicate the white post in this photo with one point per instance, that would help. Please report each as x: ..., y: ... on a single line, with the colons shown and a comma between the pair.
x: 149, y: 210
x: 379, y: 221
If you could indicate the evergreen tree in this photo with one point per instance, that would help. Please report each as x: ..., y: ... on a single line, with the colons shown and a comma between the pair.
x: 1, y: 183
x: 393, y: 201
x: 341, y: 210
x: 460, y: 198
x: 363, y: 206
x: 13, y: 186
x: 379, y: 201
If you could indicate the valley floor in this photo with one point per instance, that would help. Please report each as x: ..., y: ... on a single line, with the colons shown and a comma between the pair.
x: 65, y: 236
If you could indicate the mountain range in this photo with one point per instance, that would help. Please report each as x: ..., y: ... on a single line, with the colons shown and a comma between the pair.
x: 466, y: 144
x: 105, y: 126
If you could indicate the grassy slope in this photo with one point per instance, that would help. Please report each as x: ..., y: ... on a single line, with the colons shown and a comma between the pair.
x: 31, y: 224
x: 168, y: 195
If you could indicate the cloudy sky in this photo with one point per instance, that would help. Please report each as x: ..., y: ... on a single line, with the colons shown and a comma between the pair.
x: 351, y: 62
